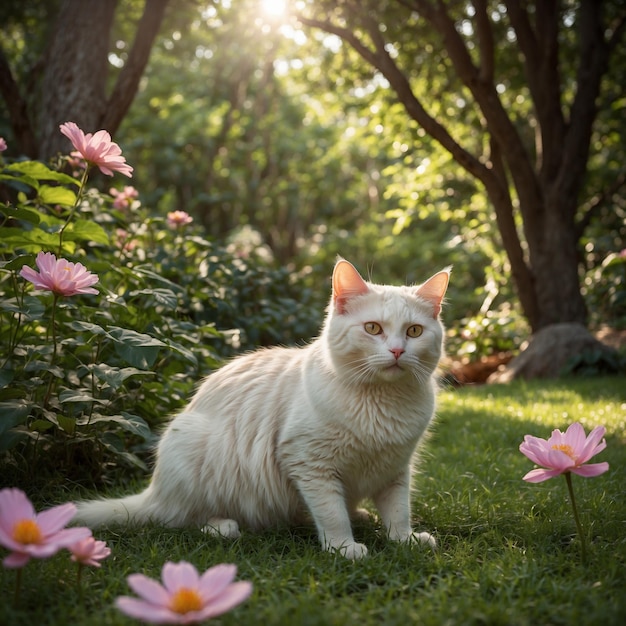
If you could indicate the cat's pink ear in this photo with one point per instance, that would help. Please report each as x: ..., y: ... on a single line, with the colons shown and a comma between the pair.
x: 434, y: 289
x: 347, y: 283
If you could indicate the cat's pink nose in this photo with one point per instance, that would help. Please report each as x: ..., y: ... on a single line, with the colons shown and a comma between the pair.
x: 397, y: 352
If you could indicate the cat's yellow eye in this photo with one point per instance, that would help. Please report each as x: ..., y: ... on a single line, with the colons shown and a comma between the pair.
x: 373, y: 328
x: 415, y: 331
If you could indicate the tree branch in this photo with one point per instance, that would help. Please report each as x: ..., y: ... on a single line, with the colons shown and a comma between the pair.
x: 485, y: 41
x: 127, y: 82
x: 382, y: 61
x: 499, y: 124
x: 592, y: 65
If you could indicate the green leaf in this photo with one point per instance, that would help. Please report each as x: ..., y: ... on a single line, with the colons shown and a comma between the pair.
x: 137, y: 356
x: 13, y: 413
x: 113, y: 443
x: 166, y: 297
x: 133, y: 338
x: 24, y: 180
x: 56, y: 195
x: 6, y: 376
x: 34, y: 240
x: 39, y: 171
x: 22, y: 214
x: 86, y: 230
x: 72, y: 395
x: 132, y: 423
x: 87, y: 326
x: 18, y: 262
x: 115, y: 376
x: 41, y: 426
x: 67, y: 424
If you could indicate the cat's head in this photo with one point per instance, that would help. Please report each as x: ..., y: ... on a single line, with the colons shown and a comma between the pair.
x: 378, y: 333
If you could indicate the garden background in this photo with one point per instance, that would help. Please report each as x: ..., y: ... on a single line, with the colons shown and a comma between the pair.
x: 288, y: 143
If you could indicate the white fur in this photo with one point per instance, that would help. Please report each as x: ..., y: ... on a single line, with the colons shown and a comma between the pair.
x: 285, y: 435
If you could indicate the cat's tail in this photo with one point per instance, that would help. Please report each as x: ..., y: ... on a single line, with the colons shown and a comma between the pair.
x: 135, y: 510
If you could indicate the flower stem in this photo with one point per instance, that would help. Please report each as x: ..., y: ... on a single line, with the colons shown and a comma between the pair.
x: 18, y: 585
x: 79, y: 583
x: 54, y: 349
x: 81, y: 188
x: 581, y: 534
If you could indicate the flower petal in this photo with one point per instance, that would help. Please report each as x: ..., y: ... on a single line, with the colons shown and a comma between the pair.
x: 67, y: 536
x: 557, y: 459
x: 593, y: 445
x: 52, y: 520
x: 16, y: 559
x: 177, y: 575
x: 215, y: 580
x: 575, y: 437
x: 148, y: 589
x: 533, y: 448
x: 235, y: 594
x: 593, y: 469
x: 145, y: 611
x: 14, y: 506
x: 539, y: 475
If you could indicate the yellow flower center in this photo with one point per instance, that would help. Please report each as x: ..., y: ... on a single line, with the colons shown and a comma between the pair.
x: 565, y: 448
x: 27, y: 531
x: 185, y: 600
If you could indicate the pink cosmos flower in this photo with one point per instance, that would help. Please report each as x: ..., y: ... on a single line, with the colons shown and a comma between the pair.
x: 60, y: 276
x: 123, y: 199
x: 3, y: 144
x: 178, y: 218
x: 185, y: 597
x: 34, y: 535
x: 88, y: 551
x: 565, y: 452
x: 97, y: 149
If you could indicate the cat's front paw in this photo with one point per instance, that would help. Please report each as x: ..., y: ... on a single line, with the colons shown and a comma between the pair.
x: 413, y: 538
x: 352, y: 550
x: 425, y: 539
x: 219, y: 527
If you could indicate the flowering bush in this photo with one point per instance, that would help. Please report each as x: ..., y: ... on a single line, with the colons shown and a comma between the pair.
x: 121, y: 318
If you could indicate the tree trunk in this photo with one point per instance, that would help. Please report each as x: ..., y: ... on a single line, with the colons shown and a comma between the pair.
x: 75, y: 77
x: 559, y: 349
x: 74, y: 82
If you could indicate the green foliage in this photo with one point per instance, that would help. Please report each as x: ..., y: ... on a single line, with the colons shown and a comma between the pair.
x: 85, y: 380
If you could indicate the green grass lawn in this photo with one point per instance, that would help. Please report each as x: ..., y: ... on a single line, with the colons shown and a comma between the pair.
x: 508, y: 550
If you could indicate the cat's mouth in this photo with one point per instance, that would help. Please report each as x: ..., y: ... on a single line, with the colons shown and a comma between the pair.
x: 394, y: 369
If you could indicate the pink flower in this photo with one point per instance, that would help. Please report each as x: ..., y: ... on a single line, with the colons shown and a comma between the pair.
x: 178, y: 218
x: 123, y: 199
x: 88, y: 551
x: 60, y: 276
x: 77, y: 163
x: 185, y: 597
x: 565, y: 452
x: 29, y: 534
x: 3, y: 144
x: 97, y: 149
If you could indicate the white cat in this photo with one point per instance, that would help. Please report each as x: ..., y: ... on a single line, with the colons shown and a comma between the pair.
x: 283, y: 435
